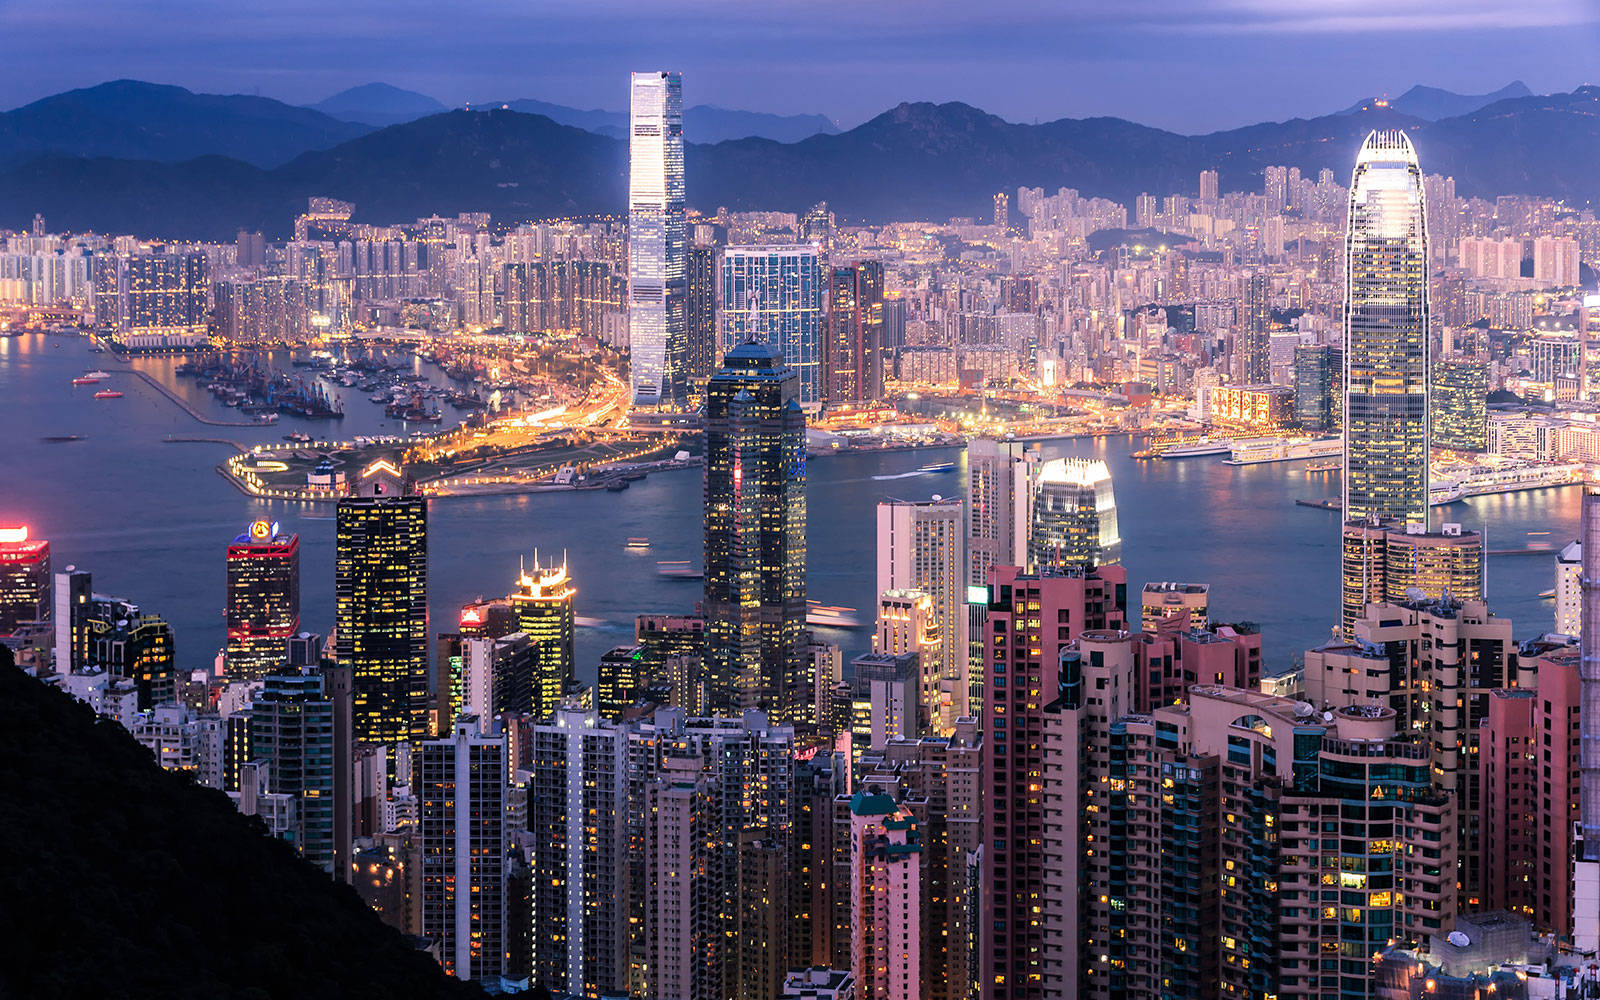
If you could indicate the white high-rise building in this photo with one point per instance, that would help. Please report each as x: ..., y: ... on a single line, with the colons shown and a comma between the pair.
x: 1000, y: 486
x: 657, y: 263
x: 921, y: 547
x: 463, y: 794
x: 1569, y: 589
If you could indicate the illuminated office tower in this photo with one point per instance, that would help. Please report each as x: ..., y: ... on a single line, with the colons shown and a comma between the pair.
x: 623, y: 672
x: 853, y: 353
x: 1318, y: 388
x: 461, y: 788
x: 263, y: 599
x: 755, y: 536
x: 776, y: 295
x: 886, y: 898
x: 1386, y: 336
x: 1208, y: 187
x: 543, y: 606
x: 1074, y: 517
x: 656, y: 240
x: 921, y: 546
x: 381, y: 595
x: 700, y: 317
x: 1255, y: 320
x: 1002, y: 210
x: 496, y: 674
x: 1460, y: 404
x: 24, y: 580
x: 577, y: 812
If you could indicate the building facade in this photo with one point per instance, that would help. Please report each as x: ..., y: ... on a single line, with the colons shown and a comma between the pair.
x: 657, y: 241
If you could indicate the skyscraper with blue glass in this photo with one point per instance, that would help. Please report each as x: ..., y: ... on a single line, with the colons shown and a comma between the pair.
x: 774, y: 295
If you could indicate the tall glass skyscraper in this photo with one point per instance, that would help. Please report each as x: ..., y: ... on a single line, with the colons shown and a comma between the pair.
x: 263, y: 599
x: 657, y: 272
x: 755, y: 536
x: 1386, y: 336
x: 774, y: 295
x: 1074, y: 517
x: 381, y: 601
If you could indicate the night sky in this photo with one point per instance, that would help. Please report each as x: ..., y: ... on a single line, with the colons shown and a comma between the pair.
x: 1187, y: 65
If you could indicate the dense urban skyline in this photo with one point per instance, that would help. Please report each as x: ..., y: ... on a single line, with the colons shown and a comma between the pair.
x: 928, y: 619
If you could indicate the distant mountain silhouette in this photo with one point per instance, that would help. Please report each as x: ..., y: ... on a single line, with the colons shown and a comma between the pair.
x: 132, y: 120
x: 125, y: 880
x: 915, y: 161
x: 1432, y: 104
x: 701, y: 123
x: 378, y: 104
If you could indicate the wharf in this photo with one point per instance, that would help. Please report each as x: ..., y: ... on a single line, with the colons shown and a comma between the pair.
x: 183, y: 404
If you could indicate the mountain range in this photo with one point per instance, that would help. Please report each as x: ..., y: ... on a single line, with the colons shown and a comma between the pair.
x: 1432, y: 104
x: 915, y: 161
x: 701, y: 123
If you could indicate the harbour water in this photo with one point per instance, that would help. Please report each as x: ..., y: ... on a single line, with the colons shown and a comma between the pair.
x: 151, y: 519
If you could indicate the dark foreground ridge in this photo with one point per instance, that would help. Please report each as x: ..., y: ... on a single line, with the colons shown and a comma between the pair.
x: 92, y: 840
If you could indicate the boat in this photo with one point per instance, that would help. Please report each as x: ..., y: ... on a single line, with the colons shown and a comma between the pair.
x: 1489, y: 479
x: 1254, y: 451
x: 96, y: 374
x: 616, y: 486
x: 108, y: 394
x: 938, y: 467
x: 1196, y: 449
x: 85, y: 380
x: 62, y: 438
x: 678, y: 569
x: 831, y: 616
x: 638, y: 543
x: 300, y: 437
x: 1324, y: 466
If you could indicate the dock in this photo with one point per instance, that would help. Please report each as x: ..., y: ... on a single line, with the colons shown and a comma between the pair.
x: 183, y: 404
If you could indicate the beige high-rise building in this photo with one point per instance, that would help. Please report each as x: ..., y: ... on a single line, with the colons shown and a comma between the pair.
x: 921, y: 546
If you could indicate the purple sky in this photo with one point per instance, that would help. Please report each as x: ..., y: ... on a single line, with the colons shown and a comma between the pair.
x: 1187, y: 65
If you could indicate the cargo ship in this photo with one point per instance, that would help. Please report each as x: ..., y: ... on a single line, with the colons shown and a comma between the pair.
x: 1254, y: 451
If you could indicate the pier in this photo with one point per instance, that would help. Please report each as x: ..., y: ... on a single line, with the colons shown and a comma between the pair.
x: 184, y: 405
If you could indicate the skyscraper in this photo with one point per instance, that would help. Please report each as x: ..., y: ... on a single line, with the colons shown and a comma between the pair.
x: 381, y: 593
x: 462, y: 791
x: 921, y: 547
x: 700, y: 322
x: 1254, y: 321
x: 1074, y: 517
x: 577, y: 812
x: 1318, y: 387
x: 263, y: 599
x: 1460, y: 404
x: 755, y: 535
x: 543, y: 605
x: 24, y: 580
x: 886, y: 897
x: 775, y: 295
x: 1386, y: 336
x: 999, y: 506
x: 657, y: 277
x: 292, y: 725
x: 853, y: 356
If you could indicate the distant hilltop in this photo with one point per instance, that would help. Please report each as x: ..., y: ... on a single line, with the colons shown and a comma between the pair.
x: 914, y: 161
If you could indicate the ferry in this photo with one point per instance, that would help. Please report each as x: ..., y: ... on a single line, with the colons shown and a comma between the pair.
x: 1254, y: 451
x: 830, y: 616
x: 97, y: 374
x: 1324, y: 467
x: 1486, y: 480
x: 678, y: 569
x: 1195, y: 449
x: 638, y: 543
x: 108, y: 394
x: 87, y: 379
x: 938, y: 467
